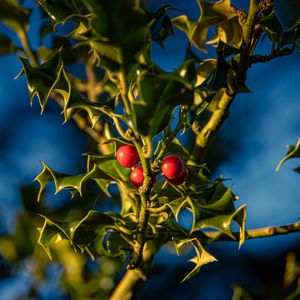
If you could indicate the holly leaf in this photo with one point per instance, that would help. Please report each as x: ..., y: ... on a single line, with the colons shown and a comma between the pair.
x: 50, y: 78
x: 272, y: 27
x: 205, y: 69
x: 60, y: 11
x: 202, y: 258
x: 64, y: 181
x: 290, y: 36
x: 293, y: 152
x: 14, y: 16
x: 109, y: 165
x: 197, y: 239
x: 160, y: 25
x: 158, y: 96
x: 184, y: 202
x: 174, y: 147
x: 224, y: 222
x: 219, y: 14
x: 6, y: 45
x: 80, y: 233
x: 219, y: 201
x: 218, y: 78
x: 118, y: 33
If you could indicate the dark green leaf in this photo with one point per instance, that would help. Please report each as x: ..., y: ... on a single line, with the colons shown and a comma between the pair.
x: 109, y: 165
x: 224, y: 222
x: 271, y: 26
x: 14, y: 16
x: 6, y: 45
x: 158, y: 96
x: 160, y: 25
x: 63, y: 181
x: 178, y: 204
x: 59, y: 11
x: 80, y: 233
x: 118, y: 33
x: 51, y: 77
x: 197, y: 239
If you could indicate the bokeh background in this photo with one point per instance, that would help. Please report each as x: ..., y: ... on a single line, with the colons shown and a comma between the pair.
x: 251, y: 144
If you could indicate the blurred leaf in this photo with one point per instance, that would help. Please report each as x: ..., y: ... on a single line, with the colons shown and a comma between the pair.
x: 158, y: 96
x: 79, y: 233
x: 240, y: 293
x: 160, y: 25
x: 6, y: 45
x: 220, y: 14
x: 14, y: 16
x: 205, y: 68
x: 115, y: 245
x: 290, y: 36
x: 293, y: 152
x: 188, y: 26
x: 271, y: 26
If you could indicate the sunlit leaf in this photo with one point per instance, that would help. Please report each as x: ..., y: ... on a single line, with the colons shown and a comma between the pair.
x: 180, y: 203
x: 63, y: 181
x: 224, y: 222
x: 197, y: 239
x: 109, y: 165
x: 202, y: 258
x: 293, y: 152
x: 220, y: 14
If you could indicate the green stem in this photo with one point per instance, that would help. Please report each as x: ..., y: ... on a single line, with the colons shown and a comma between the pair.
x: 126, y: 288
x: 25, y: 44
x: 157, y: 210
x: 123, y: 90
x: 168, y: 140
x: 256, y: 233
x: 149, y: 146
x: 144, y: 214
x: 206, y: 135
x: 248, y: 26
x: 120, y: 129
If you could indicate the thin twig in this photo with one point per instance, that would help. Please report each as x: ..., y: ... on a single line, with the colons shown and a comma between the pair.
x: 256, y: 233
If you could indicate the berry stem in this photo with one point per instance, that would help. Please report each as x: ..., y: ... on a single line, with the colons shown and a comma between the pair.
x: 143, y: 218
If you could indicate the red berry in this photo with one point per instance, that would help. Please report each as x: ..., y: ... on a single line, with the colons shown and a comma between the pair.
x: 179, y: 180
x: 127, y: 156
x: 172, y: 166
x: 137, y: 177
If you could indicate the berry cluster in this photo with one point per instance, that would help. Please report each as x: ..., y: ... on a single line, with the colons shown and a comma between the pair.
x: 172, y: 167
